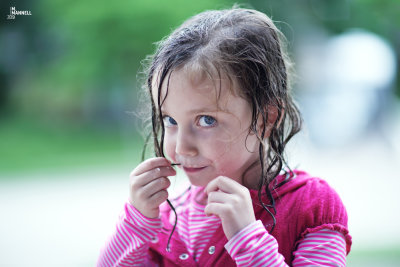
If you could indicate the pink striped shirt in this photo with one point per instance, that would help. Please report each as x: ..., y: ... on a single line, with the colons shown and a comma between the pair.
x: 252, y: 246
x: 195, y: 228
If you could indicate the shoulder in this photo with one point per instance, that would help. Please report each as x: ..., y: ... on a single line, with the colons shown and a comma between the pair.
x: 313, y: 198
x: 317, y: 206
x: 316, y: 198
x: 309, y: 188
x: 303, y: 182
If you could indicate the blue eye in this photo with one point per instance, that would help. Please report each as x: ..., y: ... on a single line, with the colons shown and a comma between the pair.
x: 207, y: 121
x: 168, y: 121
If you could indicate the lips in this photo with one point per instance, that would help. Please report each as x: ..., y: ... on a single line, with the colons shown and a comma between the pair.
x: 193, y: 169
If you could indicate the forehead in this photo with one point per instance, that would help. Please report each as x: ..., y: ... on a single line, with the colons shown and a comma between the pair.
x: 197, y: 81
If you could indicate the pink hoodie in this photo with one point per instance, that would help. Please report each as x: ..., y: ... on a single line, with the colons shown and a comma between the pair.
x: 304, y: 205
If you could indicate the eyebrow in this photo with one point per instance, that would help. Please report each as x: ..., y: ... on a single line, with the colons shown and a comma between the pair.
x: 201, y: 110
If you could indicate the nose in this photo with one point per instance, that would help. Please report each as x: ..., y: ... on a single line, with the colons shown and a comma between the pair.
x: 186, y: 143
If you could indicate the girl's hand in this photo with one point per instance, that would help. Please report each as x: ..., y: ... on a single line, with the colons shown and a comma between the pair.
x: 148, y: 185
x: 231, y: 202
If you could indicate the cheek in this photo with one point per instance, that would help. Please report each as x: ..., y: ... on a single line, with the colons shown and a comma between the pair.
x: 229, y: 146
x: 225, y: 153
x: 217, y: 147
x: 231, y: 157
x: 169, y: 147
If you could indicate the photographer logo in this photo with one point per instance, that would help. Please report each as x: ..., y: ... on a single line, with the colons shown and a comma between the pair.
x: 14, y: 12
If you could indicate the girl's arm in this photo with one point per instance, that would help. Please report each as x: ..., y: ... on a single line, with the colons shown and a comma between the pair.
x: 326, y: 247
x: 139, y: 223
x: 249, y: 242
x: 128, y: 245
x: 254, y: 246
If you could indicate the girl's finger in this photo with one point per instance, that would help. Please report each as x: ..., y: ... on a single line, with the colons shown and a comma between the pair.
x: 158, y: 198
x: 224, y: 184
x: 216, y: 209
x: 218, y: 197
x: 155, y: 186
x: 147, y: 177
x: 149, y: 164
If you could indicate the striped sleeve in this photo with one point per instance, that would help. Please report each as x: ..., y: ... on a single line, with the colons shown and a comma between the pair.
x: 129, y: 243
x: 253, y: 246
x: 324, y: 247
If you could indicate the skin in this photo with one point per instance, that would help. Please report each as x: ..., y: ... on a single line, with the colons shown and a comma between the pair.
x: 209, y: 136
x: 148, y: 185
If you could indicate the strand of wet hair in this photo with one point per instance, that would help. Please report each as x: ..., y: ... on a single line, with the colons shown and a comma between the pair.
x: 263, y: 182
x: 161, y: 150
x: 168, y: 201
x: 173, y: 228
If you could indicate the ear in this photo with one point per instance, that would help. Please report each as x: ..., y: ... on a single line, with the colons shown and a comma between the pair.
x: 272, y: 113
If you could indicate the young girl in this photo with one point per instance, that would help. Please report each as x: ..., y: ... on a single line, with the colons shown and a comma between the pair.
x: 222, y: 112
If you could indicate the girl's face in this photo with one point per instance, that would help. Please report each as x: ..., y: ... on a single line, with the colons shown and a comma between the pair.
x: 207, y: 128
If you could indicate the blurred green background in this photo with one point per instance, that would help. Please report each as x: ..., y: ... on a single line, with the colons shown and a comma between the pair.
x: 68, y: 72
x: 69, y: 87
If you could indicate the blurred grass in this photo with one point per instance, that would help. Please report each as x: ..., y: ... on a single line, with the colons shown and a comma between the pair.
x: 374, y: 257
x: 31, y: 145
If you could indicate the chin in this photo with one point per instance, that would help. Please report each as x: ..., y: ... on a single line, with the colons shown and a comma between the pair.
x: 196, y: 182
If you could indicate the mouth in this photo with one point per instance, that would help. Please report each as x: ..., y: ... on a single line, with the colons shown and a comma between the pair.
x: 193, y: 169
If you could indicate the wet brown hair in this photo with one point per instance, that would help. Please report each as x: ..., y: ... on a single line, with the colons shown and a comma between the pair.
x: 245, y: 46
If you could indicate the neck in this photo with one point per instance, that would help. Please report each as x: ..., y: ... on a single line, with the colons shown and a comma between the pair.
x: 251, y: 176
x: 201, y: 197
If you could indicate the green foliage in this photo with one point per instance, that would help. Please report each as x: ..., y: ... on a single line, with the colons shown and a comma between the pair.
x: 374, y: 256
x: 28, y: 145
x: 83, y: 56
x: 90, y: 52
x: 78, y: 61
